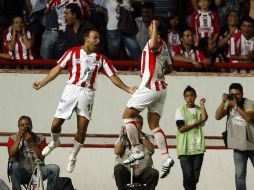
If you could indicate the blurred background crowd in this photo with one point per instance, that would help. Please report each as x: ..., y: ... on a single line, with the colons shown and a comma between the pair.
x: 198, y: 32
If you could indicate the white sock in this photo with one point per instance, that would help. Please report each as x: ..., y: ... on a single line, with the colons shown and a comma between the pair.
x: 75, y: 150
x: 55, y: 137
x: 132, y: 131
x: 161, y: 142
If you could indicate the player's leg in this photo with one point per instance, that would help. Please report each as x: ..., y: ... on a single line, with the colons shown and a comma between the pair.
x: 153, y: 122
x: 56, y: 128
x: 82, y: 124
x: 132, y: 133
x: 64, y: 111
x: 137, y: 103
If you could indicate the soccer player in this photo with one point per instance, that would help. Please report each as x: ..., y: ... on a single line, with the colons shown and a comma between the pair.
x: 151, y: 94
x: 84, y: 65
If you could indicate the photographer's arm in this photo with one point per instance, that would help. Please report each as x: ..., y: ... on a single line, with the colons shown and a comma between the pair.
x: 118, y: 149
x: 222, y: 109
x: 29, y: 138
x: 14, y: 149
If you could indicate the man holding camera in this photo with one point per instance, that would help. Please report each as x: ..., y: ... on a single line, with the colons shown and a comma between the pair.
x: 24, y: 149
x: 240, y: 127
x: 143, y: 172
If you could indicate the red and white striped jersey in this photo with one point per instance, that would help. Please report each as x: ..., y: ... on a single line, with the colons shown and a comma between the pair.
x: 239, y: 45
x: 84, y: 68
x: 181, y: 50
x: 154, y: 65
x: 227, y: 52
x: 20, y: 51
x: 60, y: 7
x: 204, y: 24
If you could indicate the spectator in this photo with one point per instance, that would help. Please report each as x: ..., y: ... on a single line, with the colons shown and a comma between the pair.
x: 19, y: 40
x: 228, y: 32
x: 240, y: 127
x: 204, y: 22
x: 75, y: 29
x: 242, y: 43
x: 114, y: 38
x: 186, y: 52
x: 208, y: 52
x: 143, y: 22
x: 143, y: 171
x: 173, y: 31
x: 60, y: 8
x: 190, y: 139
x: 24, y: 148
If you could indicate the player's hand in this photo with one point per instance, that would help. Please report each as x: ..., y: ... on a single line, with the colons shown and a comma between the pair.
x: 37, y: 85
x: 133, y: 89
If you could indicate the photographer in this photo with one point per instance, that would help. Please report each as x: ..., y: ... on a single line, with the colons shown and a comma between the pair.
x: 24, y: 148
x: 240, y: 126
x: 143, y: 171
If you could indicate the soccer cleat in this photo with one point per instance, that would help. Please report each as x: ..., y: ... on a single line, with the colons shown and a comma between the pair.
x: 71, y: 165
x: 51, y: 146
x: 166, y: 166
x: 139, y: 155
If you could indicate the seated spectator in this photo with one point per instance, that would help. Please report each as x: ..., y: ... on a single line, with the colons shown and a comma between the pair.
x: 19, y: 40
x: 24, y: 149
x: 242, y: 43
x: 143, y: 171
x: 186, y: 52
x: 143, y: 22
x: 204, y: 22
x: 208, y: 52
x: 173, y: 31
x: 75, y: 29
x: 227, y: 33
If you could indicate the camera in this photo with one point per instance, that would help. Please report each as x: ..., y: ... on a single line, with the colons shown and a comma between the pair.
x: 28, y: 130
x: 230, y: 96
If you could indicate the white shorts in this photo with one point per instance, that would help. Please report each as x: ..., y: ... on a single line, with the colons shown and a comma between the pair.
x: 146, y: 98
x: 75, y: 98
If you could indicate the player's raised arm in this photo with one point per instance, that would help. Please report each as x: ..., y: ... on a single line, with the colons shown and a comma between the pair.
x: 51, y: 76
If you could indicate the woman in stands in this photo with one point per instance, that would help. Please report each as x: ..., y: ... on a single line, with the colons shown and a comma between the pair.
x: 18, y: 41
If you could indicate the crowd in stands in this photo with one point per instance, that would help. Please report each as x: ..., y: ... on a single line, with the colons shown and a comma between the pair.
x: 199, y: 32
